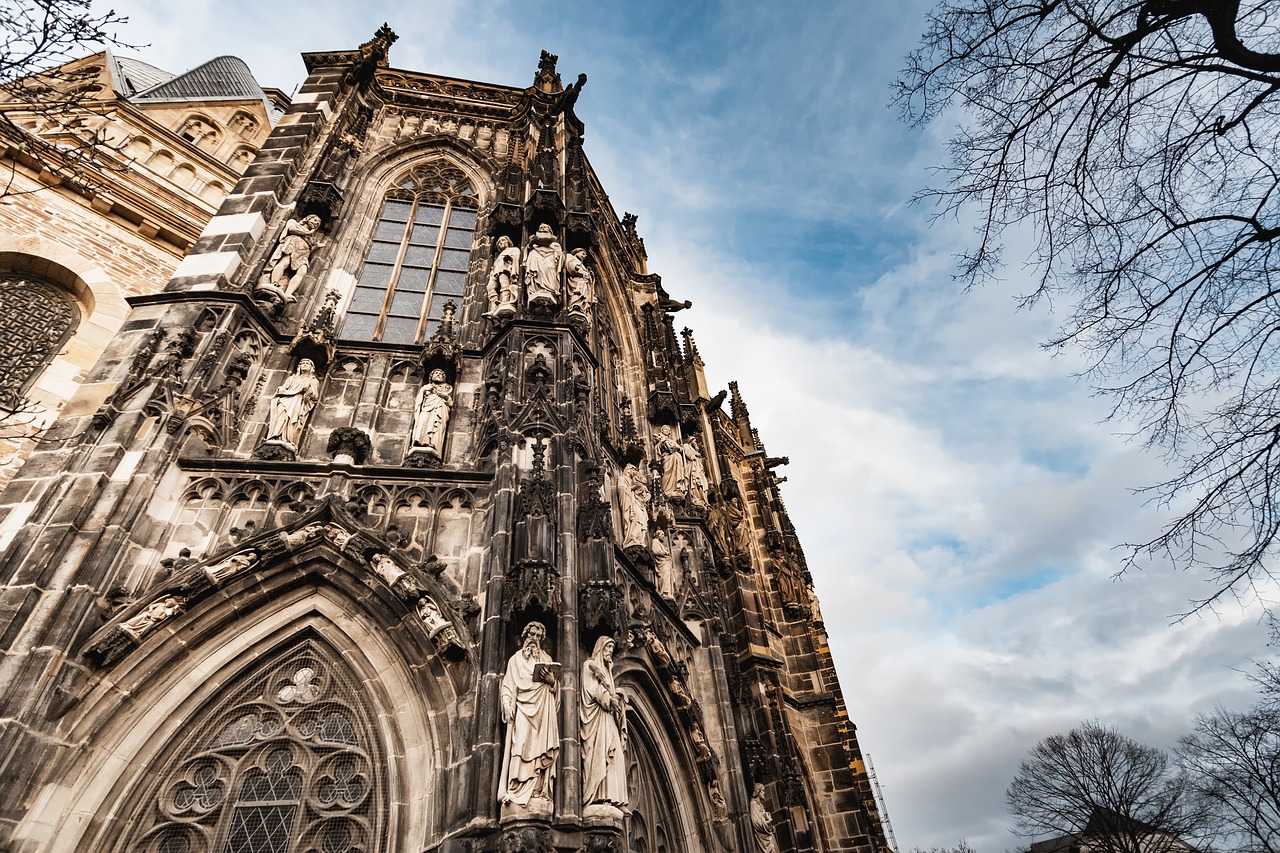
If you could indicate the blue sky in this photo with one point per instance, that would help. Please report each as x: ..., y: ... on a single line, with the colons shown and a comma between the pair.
x: 957, y: 493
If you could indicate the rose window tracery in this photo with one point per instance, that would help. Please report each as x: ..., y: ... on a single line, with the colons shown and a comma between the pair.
x: 288, y: 763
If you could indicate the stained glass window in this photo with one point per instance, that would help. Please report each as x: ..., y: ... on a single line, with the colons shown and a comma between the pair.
x: 287, y: 763
x: 418, y: 258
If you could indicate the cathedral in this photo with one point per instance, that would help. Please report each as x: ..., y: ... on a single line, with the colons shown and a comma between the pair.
x: 362, y: 495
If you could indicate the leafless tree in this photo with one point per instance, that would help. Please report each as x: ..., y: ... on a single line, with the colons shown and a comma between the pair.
x: 47, y: 107
x: 1233, y: 763
x: 1095, y: 784
x: 1140, y: 140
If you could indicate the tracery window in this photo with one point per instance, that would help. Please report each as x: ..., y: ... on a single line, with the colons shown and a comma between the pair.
x: 289, y: 763
x: 418, y: 258
x: 36, y: 319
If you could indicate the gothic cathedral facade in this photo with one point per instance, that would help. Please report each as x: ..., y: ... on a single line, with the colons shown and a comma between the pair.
x: 397, y: 516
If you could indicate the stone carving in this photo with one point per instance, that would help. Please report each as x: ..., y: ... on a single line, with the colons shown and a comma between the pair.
x: 504, y: 281
x: 633, y: 498
x: 233, y: 565
x: 387, y: 569
x: 580, y: 293
x: 431, y: 414
x: 441, y: 631
x: 664, y: 568
x: 291, y: 404
x: 699, y: 488
x: 152, y: 615
x: 543, y: 262
x: 303, y: 689
x: 762, y: 822
x: 530, y: 708
x: 675, y: 467
x: 349, y: 446
x: 295, y: 539
x: 292, y: 256
x: 719, y: 806
x: 730, y: 522
x: 604, y: 731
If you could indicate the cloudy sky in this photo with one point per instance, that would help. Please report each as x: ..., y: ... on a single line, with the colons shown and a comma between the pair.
x: 957, y: 493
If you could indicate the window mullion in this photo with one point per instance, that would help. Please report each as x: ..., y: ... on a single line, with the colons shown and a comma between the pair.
x: 395, y: 271
x: 435, y: 267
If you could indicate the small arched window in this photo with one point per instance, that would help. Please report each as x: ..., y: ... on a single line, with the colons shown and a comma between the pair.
x: 36, y: 319
x: 418, y: 259
x: 287, y: 762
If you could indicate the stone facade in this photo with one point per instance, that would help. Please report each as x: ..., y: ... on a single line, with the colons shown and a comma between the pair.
x: 365, y: 533
x: 114, y: 224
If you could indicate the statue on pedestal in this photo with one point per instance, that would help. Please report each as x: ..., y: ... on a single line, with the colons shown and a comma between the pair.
x: 604, y: 726
x: 530, y: 702
x: 504, y: 281
x: 542, y: 265
x: 291, y: 404
x: 292, y: 256
x: 580, y: 294
x: 431, y: 414
x: 633, y: 498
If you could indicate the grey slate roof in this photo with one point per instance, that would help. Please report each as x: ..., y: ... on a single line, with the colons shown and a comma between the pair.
x: 134, y: 75
x: 223, y: 77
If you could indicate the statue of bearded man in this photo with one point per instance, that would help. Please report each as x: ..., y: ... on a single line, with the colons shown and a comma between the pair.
x: 530, y: 707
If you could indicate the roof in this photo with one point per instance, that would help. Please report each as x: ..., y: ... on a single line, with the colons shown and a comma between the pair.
x: 134, y: 75
x: 223, y: 77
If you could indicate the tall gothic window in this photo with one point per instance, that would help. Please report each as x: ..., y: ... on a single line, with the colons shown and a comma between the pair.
x: 287, y: 762
x: 417, y: 260
x: 36, y: 319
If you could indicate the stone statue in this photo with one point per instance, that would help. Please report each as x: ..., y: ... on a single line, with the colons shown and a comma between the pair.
x: 698, y: 485
x: 292, y: 255
x: 431, y: 414
x: 663, y: 566
x: 580, y: 294
x: 231, y: 566
x: 291, y: 404
x: 604, y: 730
x: 542, y: 265
x: 504, y: 280
x: 154, y: 613
x: 762, y: 822
x: 386, y: 568
x: 431, y: 616
x: 633, y: 498
x: 530, y: 702
x: 675, y: 467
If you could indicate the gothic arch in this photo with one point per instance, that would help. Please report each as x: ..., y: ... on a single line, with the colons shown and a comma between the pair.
x: 149, y: 698
x: 377, y: 179
x: 659, y: 753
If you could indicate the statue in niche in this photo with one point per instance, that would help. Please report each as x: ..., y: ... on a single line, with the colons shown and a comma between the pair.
x: 431, y: 414
x: 504, y: 281
x: 580, y: 294
x: 530, y: 703
x: 675, y: 466
x: 291, y: 404
x: 732, y: 522
x: 431, y: 616
x: 664, y: 567
x: 603, y: 730
x: 151, y: 616
x: 233, y: 565
x: 762, y: 822
x: 633, y: 498
x: 386, y: 568
x: 542, y: 265
x: 697, y: 472
x: 288, y: 263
